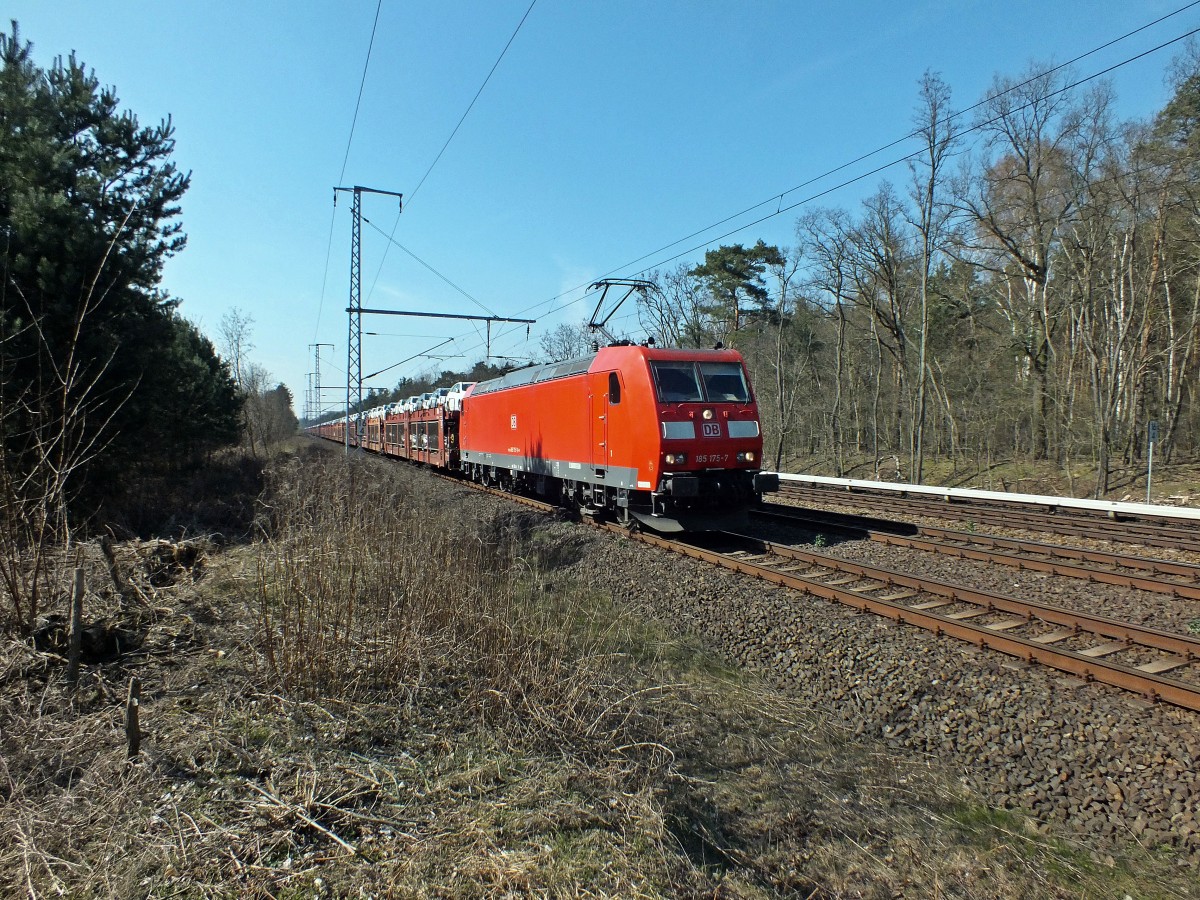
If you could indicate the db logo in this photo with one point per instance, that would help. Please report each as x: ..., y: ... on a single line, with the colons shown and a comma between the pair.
x: 512, y: 422
x: 712, y: 429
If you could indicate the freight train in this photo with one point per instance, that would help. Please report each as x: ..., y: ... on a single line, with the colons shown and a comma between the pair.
x: 669, y: 439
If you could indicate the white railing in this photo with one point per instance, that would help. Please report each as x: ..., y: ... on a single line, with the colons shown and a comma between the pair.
x: 1111, y: 507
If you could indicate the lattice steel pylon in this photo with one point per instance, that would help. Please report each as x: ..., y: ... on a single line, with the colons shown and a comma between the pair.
x: 354, y: 338
x: 317, y: 397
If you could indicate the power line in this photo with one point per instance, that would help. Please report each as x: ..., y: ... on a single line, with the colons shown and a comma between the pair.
x: 411, y: 358
x: 401, y: 334
x: 345, y: 159
x: 328, y: 256
x: 462, y: 119
x: 471, y: 105
x: 779, y: 197
x: 978, y: 126
x: 392, y: 240
x: 780, y: 210
x: 362, y: 83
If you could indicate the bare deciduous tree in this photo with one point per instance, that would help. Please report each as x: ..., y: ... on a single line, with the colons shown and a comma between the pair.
x: 678, y: 314
x: 52, y: 429
x: 566, y: 341
x: 1021, y: 201
x: 938, y: 134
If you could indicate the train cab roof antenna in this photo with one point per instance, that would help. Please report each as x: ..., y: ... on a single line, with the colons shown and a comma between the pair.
x: 633, y: 284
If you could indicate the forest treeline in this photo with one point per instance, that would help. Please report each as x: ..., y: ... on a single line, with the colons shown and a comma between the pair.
x: 1030, y: 288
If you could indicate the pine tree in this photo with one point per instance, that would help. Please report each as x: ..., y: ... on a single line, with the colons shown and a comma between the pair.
x: 98, y: 373
x: 734, y: 273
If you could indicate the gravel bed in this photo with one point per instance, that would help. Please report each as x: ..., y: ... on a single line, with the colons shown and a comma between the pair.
x: 1090, y: 757
x: 1091, y: 763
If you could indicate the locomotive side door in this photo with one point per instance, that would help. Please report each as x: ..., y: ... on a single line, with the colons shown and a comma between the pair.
x: 606, y: 399
x: 598, y: 385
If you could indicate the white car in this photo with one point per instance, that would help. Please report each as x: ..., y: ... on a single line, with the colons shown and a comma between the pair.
x: 437, y: 398
x: 454, y: 396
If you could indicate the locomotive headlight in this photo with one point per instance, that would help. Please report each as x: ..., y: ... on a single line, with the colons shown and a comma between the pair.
x: 707, y: 414
x: 746, y: 456
x: 673, y: 459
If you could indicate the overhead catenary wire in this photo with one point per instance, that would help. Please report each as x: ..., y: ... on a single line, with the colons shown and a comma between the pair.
x: 778, y: 198
x: 411, y: 358
x: 906, y: 158
x: 501, y: 333
x: 1114, y: 178
x: 328, y: 257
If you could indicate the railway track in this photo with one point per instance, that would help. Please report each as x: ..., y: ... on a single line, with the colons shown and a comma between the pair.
x: 1177, y: 579
x: 1143, y: 530
x: 1094, y: 648
x: 1136, y: 658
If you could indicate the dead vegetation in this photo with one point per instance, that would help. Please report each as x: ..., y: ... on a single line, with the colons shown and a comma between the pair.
x: 400, y: 692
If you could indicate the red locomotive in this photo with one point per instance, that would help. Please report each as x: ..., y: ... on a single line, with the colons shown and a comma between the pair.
x: 670, y: 438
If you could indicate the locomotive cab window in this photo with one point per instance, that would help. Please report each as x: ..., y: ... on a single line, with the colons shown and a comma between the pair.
x: 724, y: 383
x: 614, y: 388
x: 676, y: 382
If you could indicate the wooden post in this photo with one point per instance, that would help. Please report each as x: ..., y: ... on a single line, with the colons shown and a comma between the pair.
x: 114, y: 571
x: 133, y: 731
x: 75, y: 642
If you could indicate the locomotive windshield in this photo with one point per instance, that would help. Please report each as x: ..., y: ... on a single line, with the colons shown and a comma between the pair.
x: 724, y: 382
x: 717, y: 382
x: 676, y: 382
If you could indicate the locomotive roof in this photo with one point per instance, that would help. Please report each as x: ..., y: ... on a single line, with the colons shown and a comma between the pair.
x: 530, y: 374
x: 581, y: 364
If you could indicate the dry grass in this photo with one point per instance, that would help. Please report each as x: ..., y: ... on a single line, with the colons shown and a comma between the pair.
x: 402, y: 702
x: 392, y: 596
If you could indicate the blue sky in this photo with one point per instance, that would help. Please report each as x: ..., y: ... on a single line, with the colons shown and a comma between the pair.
x: 609, y: 130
